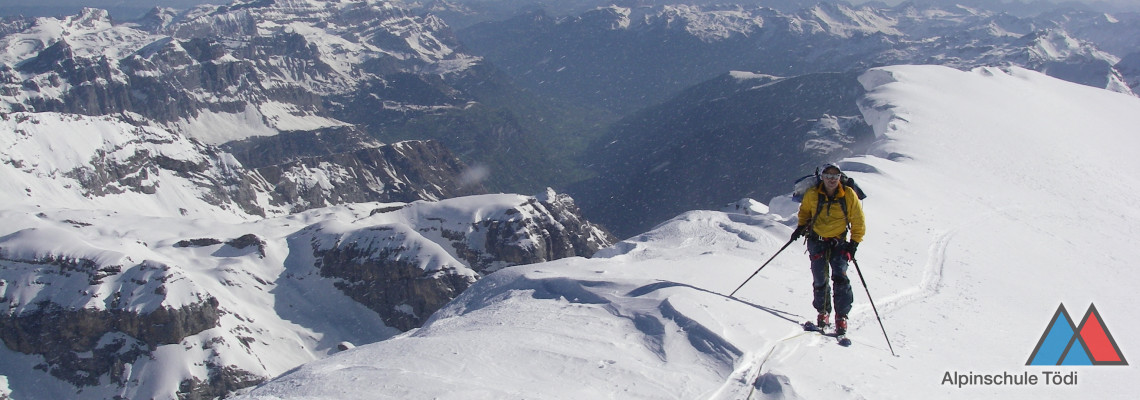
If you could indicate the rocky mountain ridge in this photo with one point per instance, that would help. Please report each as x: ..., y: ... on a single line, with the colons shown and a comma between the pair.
x: 67, y: 160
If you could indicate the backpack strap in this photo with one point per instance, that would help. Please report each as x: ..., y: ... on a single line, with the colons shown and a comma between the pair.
x: 823, y: 200
x: 819, y: 208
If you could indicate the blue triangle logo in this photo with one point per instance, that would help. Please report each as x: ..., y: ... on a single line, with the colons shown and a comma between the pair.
x: 1056, y: 341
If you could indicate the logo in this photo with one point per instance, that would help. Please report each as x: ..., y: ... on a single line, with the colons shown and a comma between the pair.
x: 1064, y: 343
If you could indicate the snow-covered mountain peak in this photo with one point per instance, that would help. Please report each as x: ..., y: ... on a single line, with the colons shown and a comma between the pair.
x: 621, y: 16
x: 996, y: 29
x: 90, y: 19
x: 90, y: 34
x: 1056, y: 44
x: 712, y: 24
x: 338, y: 28
x: 845, y: 21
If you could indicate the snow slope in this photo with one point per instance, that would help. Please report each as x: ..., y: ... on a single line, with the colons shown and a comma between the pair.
x: 995, y: 196
x: 276, y: 310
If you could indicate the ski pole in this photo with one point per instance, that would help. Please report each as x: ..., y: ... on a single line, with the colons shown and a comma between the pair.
x: 762, y: 266
x: 873, y: 307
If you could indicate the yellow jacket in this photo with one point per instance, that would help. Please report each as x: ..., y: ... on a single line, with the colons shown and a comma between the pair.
x: 831, y: 222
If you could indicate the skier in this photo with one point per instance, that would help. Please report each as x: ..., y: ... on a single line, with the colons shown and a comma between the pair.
x: 827, y: 211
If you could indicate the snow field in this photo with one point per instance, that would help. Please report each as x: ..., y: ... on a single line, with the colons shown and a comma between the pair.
x: 994, y: 196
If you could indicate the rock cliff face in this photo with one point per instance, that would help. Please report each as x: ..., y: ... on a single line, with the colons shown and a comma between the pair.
x: 290, y: 146
x: 397, y: 289
x: 401, y: 172
x: 546, y: 227
x: 406, y: 275
x: 139, y: 263
x: 84, y: 346
x: 156, y: 165
x: 120, y: 312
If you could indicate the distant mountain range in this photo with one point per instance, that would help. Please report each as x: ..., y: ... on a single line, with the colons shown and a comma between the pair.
x: 246, y: 72
x: 464, y: 13
x: 627, y: 58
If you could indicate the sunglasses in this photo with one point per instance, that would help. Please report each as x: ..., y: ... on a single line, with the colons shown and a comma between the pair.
x: 830, y: 176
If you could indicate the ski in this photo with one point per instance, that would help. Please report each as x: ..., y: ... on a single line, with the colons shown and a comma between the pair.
x: 842, y: 340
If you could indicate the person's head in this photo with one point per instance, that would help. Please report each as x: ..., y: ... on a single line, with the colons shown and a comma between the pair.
x: 830, y: 176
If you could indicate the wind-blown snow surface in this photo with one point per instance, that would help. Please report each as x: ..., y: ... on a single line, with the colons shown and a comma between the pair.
x: 995, y: 196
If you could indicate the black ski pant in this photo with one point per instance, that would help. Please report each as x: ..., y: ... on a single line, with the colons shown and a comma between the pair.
x: 827, y: 256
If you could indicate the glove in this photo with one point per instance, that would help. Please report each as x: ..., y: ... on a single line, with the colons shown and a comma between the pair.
x: 798, y: 232
x: 850, y: 250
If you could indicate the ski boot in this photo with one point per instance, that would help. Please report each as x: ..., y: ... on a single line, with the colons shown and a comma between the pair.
x: 821, y: 320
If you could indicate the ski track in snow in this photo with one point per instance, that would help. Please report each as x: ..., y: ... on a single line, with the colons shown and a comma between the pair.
x: 930, y: 286
x: 933, y: 271
x: 932, y: 279
x: 746, y: 379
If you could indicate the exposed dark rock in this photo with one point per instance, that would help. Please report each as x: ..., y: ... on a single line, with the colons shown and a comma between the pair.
x: 203, y: 242
x: 248, y: 240
x: 1129, y: 67
x: 242, y: 242
x: 395, y: 287
x: 140, y: 169
x: 556, y: 231
x: 287, y: 147
x: 401, y: 172
x: 386, y: 209
x: 222, y: 380
x: 72, y: 340
x: 67, y: 265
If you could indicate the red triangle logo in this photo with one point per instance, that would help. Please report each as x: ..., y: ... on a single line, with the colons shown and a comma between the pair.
x: 1098, y: 340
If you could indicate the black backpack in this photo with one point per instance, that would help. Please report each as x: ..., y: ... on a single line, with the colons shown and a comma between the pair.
x: 806, y: 182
